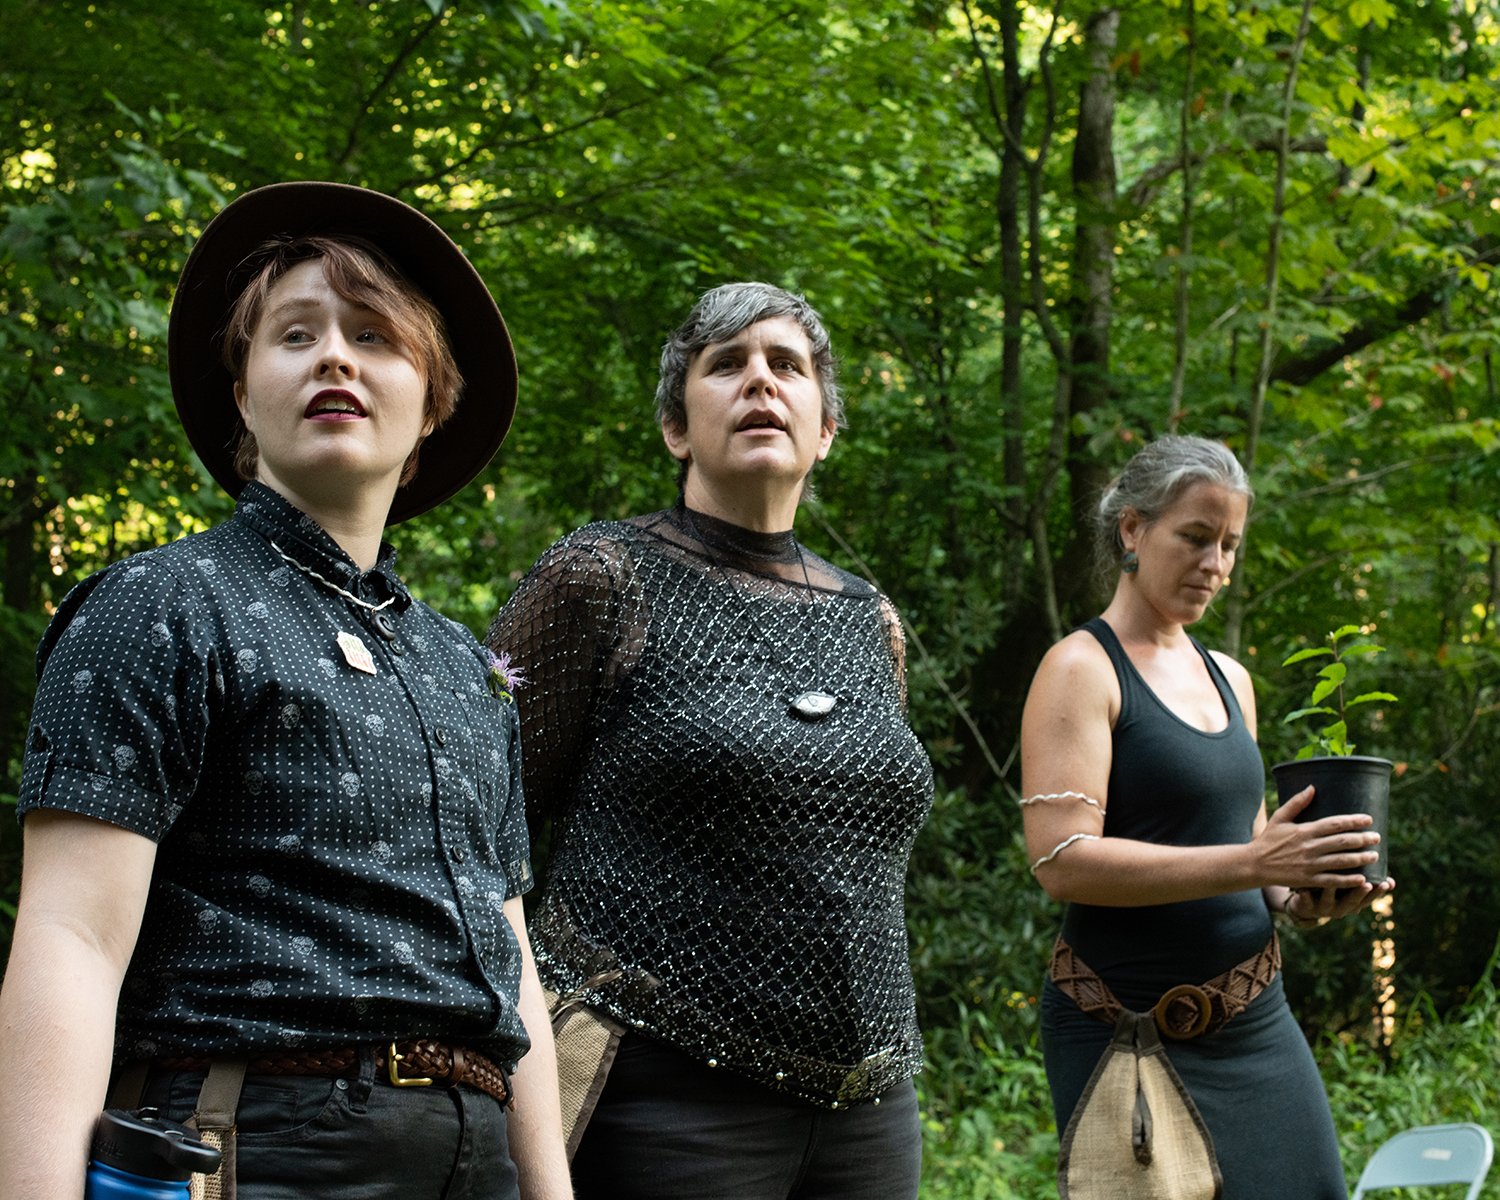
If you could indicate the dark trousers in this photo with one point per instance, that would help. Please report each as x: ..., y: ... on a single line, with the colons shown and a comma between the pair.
x: 670, y: 1128
x: 357, y: 1138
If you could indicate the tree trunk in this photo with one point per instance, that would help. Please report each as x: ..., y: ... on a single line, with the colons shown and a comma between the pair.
x: 1013, y: 298
x: 1185, y: 242
x: 1234, y: 609
x: 1093, y: 300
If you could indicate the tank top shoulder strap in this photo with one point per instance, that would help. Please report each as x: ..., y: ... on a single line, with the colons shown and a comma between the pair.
x: 1221, y: 681
x: 1130, y: 681
x: 1133, y: 687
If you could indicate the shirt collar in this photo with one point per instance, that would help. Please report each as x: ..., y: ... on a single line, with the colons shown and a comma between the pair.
x: 299, y: 537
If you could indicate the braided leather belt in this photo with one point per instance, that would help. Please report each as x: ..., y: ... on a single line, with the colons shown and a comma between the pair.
x: 420, y: 1062
x: 1185, y: 1011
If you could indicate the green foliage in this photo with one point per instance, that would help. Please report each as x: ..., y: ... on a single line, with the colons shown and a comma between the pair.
x: 604, y: 163
x: 1333, y: 738
x: 1438, y: 1069
x: 980, y: 925
x: 987, y: 1126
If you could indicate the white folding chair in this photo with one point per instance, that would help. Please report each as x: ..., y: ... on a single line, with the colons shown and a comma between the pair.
x: 1430, y: 1154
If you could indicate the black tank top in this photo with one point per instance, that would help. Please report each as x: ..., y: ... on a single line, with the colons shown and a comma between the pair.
x: 1173, y: 784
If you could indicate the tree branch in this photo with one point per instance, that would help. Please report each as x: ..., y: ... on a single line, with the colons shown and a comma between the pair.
x: 1234, y: 622
x: 1305, y: 367
x: 990, y: 91
x: 497, y: 143
x: 367, y: 105
x: 1144, y: 190
x: 1349, y: 481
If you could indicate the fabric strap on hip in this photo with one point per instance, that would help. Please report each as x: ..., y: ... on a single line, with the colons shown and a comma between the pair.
x: 1136, y: 1133
x: 214, y: 1119
x: 586, y: 1042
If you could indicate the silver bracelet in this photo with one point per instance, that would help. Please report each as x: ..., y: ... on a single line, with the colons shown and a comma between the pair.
x: 1043, y: 797
x: 1060, y: 847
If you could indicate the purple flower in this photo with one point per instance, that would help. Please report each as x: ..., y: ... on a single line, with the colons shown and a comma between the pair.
x: 504, y: 678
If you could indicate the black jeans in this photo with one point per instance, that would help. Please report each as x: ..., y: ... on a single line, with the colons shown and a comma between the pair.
x: 670, y: 1128
x: 357, y: 1138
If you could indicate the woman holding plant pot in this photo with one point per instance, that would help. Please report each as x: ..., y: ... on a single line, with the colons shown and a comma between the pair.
x: 1144, y: 813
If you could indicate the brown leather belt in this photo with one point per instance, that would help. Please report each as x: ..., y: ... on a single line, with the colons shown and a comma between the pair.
x: 1185, y: 1011
x: 420, y: 1062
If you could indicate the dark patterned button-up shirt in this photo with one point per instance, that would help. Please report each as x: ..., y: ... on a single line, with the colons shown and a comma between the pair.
x: 335, y: 793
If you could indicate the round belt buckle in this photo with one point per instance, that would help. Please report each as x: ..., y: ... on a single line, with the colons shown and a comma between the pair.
x: 1200, y: 1001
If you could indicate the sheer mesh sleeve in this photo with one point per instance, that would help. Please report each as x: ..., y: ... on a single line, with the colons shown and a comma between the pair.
x: 569, y: 632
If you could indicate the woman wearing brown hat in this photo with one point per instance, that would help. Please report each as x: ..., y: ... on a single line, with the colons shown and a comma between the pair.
x: 714, y: 724
x: 275, y: 843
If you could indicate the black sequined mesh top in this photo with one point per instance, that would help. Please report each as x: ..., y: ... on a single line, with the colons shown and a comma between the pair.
x: 725, y: 874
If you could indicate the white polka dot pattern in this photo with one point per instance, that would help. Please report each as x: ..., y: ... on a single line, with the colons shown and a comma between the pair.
x: 333, y: 847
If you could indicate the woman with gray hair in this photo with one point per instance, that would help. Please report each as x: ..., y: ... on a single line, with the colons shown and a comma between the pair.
x: 1144, y: 812
x: 714, y: 726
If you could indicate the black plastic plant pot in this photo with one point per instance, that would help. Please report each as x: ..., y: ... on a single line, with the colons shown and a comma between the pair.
x: 1347, y: 784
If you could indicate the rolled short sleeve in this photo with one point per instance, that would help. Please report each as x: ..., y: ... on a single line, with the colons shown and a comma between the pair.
x: 125, y: 690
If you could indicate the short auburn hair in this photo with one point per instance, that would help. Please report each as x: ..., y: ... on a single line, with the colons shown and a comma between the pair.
x: 359, y: 272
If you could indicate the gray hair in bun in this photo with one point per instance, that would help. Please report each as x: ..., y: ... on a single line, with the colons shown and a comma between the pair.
x: 1153, y: 479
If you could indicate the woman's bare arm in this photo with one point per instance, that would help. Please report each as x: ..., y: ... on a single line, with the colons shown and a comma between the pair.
x: 536, y: 1141
x: 83, y: 893
x: 1066, y: 751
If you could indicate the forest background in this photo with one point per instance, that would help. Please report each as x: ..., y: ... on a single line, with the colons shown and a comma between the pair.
x: 1040, y: 236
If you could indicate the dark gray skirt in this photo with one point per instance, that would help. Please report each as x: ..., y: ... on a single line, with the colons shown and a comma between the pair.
x: 1254, y: 1081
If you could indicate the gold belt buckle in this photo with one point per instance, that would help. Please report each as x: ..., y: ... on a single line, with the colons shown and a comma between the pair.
x: 1200, y: 1000
x: 391, y: 1059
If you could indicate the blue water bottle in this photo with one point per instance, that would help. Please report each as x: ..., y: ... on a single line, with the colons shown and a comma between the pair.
x: 139, y: 1156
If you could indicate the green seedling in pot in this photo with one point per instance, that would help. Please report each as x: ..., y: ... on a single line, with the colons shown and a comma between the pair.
x: 1333, y: 738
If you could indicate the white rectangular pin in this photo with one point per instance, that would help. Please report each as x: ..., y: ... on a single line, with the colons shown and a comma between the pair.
x: 356, y: 653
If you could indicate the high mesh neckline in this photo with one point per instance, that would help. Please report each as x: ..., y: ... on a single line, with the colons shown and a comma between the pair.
x: 748, y: 555
x: 733, y: 541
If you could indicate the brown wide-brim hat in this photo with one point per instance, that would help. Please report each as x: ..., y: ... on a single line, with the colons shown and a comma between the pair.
x: 217, y: 272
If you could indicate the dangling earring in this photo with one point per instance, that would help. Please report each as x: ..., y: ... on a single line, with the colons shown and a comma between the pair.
x: 1130, y: 562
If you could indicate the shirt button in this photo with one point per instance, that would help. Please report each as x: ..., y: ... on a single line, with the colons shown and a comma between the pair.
x: 456, y: 854
x: 439, y: 736
x: 384, y: 626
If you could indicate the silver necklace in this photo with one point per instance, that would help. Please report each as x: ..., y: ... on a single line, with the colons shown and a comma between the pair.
x: 328, y: 583
x: 812, y: 704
